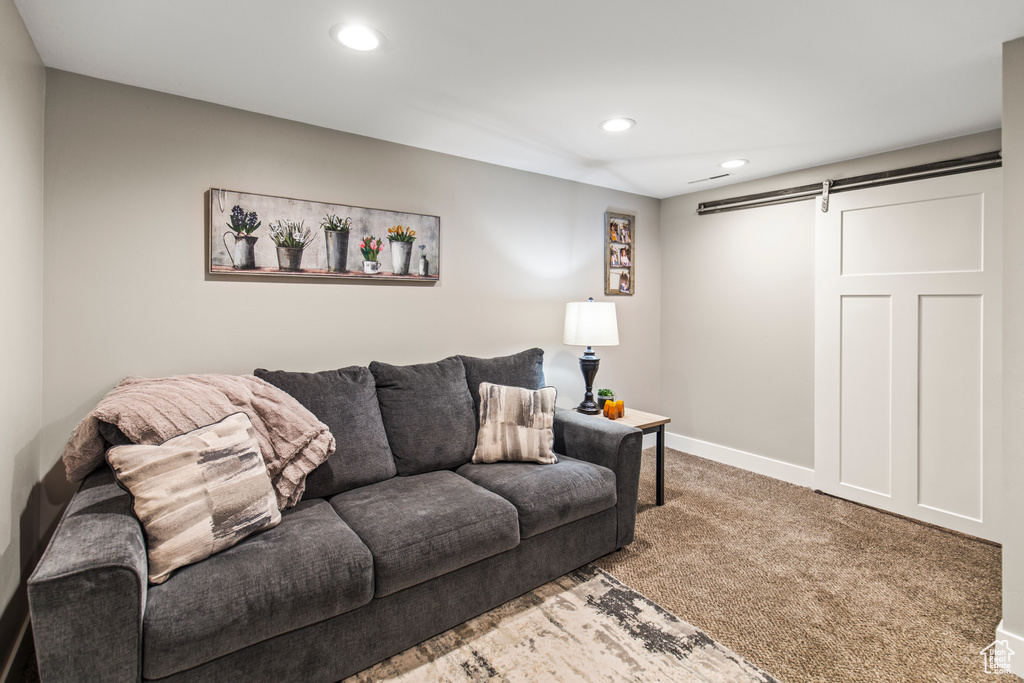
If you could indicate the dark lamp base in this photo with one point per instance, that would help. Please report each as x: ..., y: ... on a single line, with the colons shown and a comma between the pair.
x: 589, y: 363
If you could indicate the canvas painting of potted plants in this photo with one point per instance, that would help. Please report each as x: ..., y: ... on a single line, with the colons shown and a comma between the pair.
x: 256, y: 234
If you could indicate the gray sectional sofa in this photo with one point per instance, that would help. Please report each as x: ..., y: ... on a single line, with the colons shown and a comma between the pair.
x: 398, y: 537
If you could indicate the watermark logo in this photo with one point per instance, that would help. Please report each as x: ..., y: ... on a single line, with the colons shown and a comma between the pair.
x: 997, y: 657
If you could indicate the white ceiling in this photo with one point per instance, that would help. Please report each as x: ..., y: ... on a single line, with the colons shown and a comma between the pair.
x: 525, y: 83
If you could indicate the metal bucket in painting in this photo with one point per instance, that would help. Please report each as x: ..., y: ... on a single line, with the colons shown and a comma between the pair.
x: 243, y: 252
x: 289, y: 258
x: 337, y: 251
x: 401, y: 254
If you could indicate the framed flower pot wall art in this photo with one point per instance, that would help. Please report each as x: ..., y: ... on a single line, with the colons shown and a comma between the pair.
x: 619, y: 241
x: 263, y: 235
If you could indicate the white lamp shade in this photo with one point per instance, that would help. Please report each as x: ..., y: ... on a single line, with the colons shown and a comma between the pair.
x: 590, y: 323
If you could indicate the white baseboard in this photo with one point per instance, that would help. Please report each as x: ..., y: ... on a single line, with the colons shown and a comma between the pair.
x: 794, y: 474
x: 17, y: 657
x: 1016, y: 644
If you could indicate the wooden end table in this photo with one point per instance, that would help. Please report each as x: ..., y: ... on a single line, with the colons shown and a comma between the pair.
x: 649, y: 423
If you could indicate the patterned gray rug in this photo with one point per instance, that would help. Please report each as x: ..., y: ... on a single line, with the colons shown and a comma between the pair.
x: 585, y: 626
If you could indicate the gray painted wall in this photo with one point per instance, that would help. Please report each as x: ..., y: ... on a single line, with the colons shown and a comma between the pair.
x: 22, y: 91
x: 738, y: 309
x: 125, y: 292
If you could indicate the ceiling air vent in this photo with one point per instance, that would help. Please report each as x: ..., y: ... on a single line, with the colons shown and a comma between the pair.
x: 714, y: 177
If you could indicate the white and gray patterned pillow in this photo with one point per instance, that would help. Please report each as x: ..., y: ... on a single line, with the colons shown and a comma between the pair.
x: 198, y: 493
x: 516, y: 425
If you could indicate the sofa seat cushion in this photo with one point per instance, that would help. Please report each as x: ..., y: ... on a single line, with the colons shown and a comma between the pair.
x: 308, y: 568
x: 426, y: 525
x: 547, y: 496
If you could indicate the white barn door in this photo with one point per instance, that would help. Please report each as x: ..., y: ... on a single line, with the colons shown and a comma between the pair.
x: 908, y: 349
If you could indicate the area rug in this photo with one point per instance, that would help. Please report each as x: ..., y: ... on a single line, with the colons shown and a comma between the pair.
x: 584, y: 626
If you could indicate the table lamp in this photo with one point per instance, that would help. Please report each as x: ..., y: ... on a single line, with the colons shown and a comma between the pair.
x: 590, y: 323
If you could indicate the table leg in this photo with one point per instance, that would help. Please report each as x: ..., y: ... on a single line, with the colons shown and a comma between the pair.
x: 661, y: 465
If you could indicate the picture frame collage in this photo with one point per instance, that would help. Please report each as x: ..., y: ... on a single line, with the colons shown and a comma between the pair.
x: 620, y: 241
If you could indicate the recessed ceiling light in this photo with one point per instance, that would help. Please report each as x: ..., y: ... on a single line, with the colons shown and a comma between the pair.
x: 734, y: 163
x: 617, y: 125
x: 358, y: 36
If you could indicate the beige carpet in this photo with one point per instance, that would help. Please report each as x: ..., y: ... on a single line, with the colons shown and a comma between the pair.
x: 809, y: 587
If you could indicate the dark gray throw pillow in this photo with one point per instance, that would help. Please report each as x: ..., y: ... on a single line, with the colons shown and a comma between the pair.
x: 346, y: 401
x: 428, y: 414
x: 524, y: 369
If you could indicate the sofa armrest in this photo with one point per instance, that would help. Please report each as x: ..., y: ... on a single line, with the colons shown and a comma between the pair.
x: 87, y: 595
x: 610, y: 444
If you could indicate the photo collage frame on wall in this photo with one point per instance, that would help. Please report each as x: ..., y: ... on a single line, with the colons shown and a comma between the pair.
x: 620, y: 242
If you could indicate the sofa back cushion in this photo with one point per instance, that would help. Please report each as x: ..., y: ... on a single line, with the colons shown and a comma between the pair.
x: 428, y: 414
x: 346, y: 401
x: 524, y: 369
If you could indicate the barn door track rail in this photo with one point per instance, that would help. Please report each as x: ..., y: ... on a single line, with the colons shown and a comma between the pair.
x: 977, y: 162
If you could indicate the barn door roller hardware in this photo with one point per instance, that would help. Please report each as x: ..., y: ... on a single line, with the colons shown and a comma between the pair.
x: 978, y: 162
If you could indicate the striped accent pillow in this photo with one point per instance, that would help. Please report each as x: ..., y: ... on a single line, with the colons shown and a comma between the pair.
x: 198, y: 493
x: 516, y: 425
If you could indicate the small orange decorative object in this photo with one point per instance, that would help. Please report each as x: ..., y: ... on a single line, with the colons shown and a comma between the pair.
x: 620, y: 409
x: 608, y: 409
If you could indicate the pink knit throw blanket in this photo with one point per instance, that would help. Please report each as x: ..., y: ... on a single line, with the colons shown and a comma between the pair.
x: 151, y: 411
